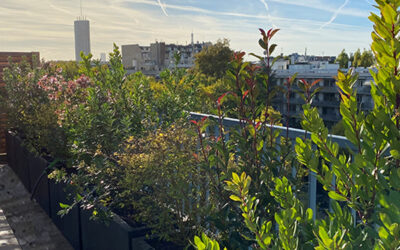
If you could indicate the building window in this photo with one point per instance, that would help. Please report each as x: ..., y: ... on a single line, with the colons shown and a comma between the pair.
x: 330, y: 97
x: 328, y: 111
x: 292, y: 108
x: 330, y: 82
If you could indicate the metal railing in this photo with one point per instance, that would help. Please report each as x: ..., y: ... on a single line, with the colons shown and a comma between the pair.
x: 293, y: 134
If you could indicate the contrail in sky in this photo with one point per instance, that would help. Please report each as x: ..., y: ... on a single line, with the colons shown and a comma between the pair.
x: 335, y: 14
x: 267, y: 9
x: 265, y: 4
x: 162, y: 7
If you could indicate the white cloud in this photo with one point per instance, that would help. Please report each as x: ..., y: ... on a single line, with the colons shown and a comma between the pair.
x: 324, y: 5
x: 47, y: 26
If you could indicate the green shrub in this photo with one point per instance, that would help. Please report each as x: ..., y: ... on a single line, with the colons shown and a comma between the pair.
x: 366, y: 176
x: 253, y: 147
x: 161, y: 177
x: 30, y: 113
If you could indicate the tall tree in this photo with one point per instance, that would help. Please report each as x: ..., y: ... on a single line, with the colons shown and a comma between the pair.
x: 356, y: 59
x: 343, y: 59
x: 367, y: 59
x: 214, y: 59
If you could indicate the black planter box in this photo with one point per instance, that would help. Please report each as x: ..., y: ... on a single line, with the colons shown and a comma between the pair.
x: 10, y: 141
x: 77, y: 228
x: 37, y: 176
x: 69, y: 224
x: 97, y: 235
x: 21, y: 163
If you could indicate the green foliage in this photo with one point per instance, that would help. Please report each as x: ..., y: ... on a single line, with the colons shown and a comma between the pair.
x: 213, y: 60
x: 70, y: 69
x: 161, y: 176
x: 205, y: 243
x: 364, y: 179
x: 261, y: 229
x: 294, y: 223
x: 337, y: 129
x: 125, y: 147
x: 29, y: 111
x: 252, y: 148
x: 367, y: 59
x: 174, y: 95
x: 356, y: 59
x: 343, y: 59
x: 363, y: 176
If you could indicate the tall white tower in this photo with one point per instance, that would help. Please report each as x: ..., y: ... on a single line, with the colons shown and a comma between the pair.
x: 82, y: 36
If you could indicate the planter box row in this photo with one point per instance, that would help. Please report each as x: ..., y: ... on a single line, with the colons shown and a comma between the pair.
x: 78, y: 229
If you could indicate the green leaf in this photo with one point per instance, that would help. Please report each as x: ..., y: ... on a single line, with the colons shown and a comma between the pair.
x: 336, y: 196
x: 272, y: 48
x: 395, y: 153
x: 324, y: 236
x: 199, y: 244
x: 259, y: 57
x: 262, y: 44
x: 383, y: 233
x: 309, y: 214
x: 234, y: 198
x: 260, y: 145
x: 251, y: 129
x: 385, y: 220
x: 235, y: 178
x: 62, y: 205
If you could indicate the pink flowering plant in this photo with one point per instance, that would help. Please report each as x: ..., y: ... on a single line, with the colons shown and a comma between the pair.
x: 65, y: 95
x: 30, y: 111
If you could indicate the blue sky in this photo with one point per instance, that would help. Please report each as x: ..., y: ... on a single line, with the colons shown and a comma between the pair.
x: 321, y: 26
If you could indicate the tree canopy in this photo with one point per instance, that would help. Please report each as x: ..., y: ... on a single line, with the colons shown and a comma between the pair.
x: 343, y: 59
x: 356, y: 59
x: 367, y: 59
x: 214, y: 59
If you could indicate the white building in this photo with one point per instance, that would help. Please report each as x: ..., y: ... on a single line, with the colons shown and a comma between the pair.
x: 103, y: 57
x: 151, y: 60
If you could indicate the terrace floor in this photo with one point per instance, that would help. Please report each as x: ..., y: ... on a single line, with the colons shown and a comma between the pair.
x: 23, y: 223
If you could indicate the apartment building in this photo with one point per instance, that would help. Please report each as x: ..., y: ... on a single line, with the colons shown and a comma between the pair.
x: 327, y: 100
x: 153, y: 59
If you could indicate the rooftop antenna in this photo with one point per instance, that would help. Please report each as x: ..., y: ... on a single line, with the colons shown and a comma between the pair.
x: 80, y: 4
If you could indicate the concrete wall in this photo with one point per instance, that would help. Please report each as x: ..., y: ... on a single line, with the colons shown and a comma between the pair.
x: 130, y: 53
x: 157, y: 51
x: 158, y: 56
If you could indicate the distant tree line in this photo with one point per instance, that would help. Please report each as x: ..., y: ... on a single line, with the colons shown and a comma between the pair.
x: 357, y: 59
